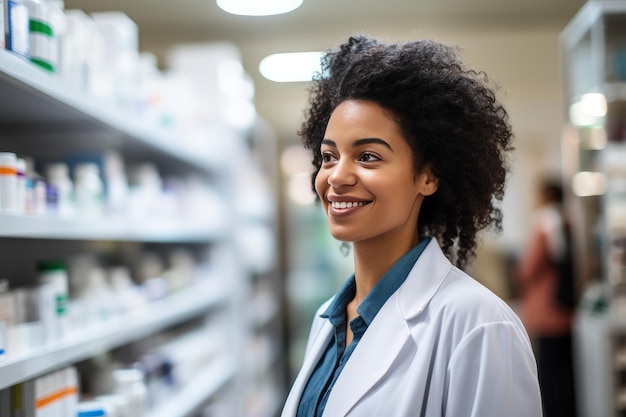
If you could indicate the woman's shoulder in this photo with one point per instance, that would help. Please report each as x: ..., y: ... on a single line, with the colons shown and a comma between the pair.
x: 463, y: 298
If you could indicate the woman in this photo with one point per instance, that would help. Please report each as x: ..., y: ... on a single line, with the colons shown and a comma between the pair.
x: 409, y: 150
x: 547, y: 301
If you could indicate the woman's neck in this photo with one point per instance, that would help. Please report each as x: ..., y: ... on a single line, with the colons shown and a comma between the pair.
x: 373, y: 260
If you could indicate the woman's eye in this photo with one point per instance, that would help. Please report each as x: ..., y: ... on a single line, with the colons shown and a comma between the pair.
x: 368, y: 157
x: 327, y: 157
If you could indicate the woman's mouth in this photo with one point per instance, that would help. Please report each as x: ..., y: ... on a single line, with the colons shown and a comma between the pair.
x: 347, y: 204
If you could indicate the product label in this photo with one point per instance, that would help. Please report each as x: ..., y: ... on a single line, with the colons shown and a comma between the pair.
x: 43, y: 45
x: 61, y: 302
x: 17, y: 38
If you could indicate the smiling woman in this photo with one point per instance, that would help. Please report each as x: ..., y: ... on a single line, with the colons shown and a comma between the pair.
x: 363, y: 182
x: 409, y: 149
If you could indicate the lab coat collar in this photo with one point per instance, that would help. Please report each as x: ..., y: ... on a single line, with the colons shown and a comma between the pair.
x: 423, y: 281
x: 389, y: 332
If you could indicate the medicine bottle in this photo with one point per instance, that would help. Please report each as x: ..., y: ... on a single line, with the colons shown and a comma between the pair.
x: 88, y: 190
x: 7, y: 304
x: 17, y: 28
x: 130, y: 383
x: 7, y: 314
x: 44, y: 48
x: 58, y: 176
x: 8, y: 182
x: 118, y: 403
x: 53, y: 273
x: 21, y: 185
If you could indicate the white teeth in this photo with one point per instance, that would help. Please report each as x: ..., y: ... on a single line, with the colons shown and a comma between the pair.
x: 343, y: 204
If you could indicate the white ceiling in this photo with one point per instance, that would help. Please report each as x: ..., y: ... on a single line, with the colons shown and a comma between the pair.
x: 317, y: 25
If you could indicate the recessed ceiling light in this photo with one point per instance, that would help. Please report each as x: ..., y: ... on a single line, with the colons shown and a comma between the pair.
x: 291, y: 67
x: 258, y: 7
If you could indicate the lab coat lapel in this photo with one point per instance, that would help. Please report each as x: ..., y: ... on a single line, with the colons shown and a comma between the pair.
x: 318, y: 347
x: 372, y: 358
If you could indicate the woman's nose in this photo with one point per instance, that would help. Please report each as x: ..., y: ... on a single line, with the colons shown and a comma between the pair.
x: 342, y: 174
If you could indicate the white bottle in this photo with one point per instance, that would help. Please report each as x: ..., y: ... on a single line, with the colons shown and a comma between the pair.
x: 58, y: 175
x: 118, y: 403
x: 54, y: 273
x: 75, y: 48
x: 7, y: 315
x: 71, y: 389
x: 8, y: 182
x: 21, y: 185
x: 130, y: 383
x: 116, y: 183
x: 3, y: 340
x: 97, y: 296
x: 44, y: 48
x: 88, y: 190
x: 3, y: 24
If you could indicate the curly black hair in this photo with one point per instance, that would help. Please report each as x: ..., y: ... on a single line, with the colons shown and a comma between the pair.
x: 448, y: 114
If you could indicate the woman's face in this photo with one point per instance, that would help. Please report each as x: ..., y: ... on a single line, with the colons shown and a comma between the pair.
x: 367, y: 182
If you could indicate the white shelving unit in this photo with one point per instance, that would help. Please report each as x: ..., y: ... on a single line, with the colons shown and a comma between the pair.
x: 42, y: 116
x: 115, y: 332
x: 106, y: 228
x: 31, y: 97
x: 593, y: 49
x: 195, y: 394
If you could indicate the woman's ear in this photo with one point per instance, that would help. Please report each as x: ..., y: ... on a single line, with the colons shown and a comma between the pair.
x: 428, y: 182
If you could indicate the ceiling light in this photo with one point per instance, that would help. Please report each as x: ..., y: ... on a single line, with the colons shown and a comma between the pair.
x: 258, y: 7
x: 291, y: 67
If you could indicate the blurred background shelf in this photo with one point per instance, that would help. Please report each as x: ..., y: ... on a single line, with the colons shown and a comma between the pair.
x: 33, y: 100
x: 114, y: 332
x: 108, y: 228
x: 198, y: 391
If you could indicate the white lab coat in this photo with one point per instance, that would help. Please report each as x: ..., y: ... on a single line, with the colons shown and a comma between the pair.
x: 441, y: 346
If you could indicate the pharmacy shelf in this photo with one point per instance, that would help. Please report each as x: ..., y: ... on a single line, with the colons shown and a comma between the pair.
x: 117, y: 229
x: 260, y: 317
x: 614, y: 91
x: 585, y: 18
x: 118, y: 331
x: 35, y: 100
x: 197, y: 392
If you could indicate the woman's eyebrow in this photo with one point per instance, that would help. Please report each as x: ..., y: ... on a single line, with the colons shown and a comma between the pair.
x: 359, y: 142
x: 367, y: 141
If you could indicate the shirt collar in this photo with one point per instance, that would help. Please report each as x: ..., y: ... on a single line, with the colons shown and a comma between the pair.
x: 387, y: 285
x: 336, y: 311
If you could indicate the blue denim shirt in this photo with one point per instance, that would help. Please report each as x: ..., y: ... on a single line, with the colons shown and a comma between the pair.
x: 333, y: 360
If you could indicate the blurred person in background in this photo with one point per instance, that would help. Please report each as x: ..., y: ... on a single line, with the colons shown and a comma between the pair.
x: 410, y: 154
x: 546, y: 287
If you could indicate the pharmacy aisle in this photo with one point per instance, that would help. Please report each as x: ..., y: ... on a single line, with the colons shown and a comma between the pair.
x: 130, y: 201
